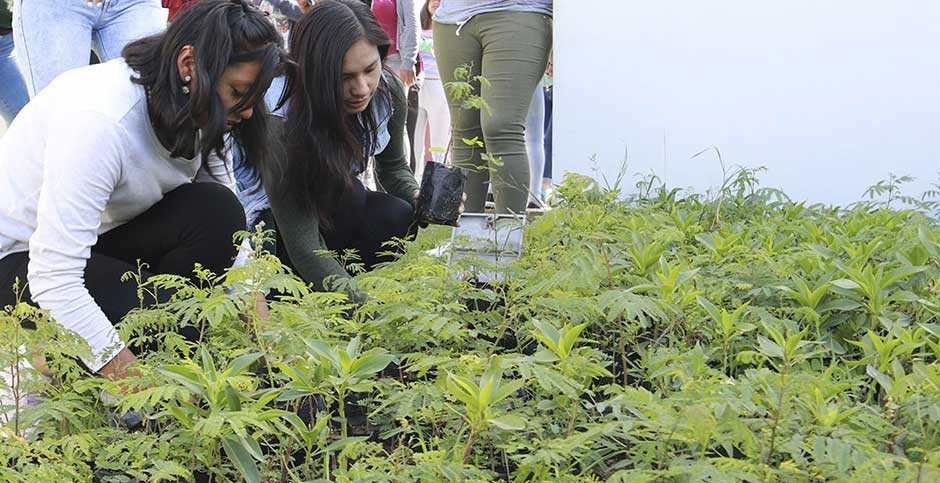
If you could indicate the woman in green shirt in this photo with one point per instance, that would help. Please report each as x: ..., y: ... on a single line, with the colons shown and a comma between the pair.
x: 343, y: 107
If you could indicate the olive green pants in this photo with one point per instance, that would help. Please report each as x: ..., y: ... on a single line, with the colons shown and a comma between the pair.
x: 510, y: 50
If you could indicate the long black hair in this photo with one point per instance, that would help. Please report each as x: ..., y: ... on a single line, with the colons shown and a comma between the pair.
x: 323, y: 141
x: 221, y: 33
x: 426, y: 17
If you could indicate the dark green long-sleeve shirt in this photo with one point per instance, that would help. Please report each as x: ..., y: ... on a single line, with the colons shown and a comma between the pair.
x: 300, y: 231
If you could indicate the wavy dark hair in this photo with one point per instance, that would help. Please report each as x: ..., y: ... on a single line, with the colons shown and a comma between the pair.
x: 221, y: 33
x: 323, y: 141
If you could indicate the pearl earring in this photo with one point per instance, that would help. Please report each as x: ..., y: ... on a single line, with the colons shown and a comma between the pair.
x: 185, y: 89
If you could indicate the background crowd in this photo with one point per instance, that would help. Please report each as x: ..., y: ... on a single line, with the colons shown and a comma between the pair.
x: 105, y: 26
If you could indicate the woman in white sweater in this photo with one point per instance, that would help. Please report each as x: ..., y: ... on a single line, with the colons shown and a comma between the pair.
x: 120, y: 162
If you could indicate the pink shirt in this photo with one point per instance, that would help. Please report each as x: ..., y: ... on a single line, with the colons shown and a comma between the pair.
x: 387, y: 14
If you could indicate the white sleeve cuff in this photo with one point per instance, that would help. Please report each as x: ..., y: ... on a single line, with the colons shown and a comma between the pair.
x: 104, y: 346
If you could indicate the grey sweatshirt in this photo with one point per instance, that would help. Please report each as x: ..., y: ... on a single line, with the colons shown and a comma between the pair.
x: 456, y: 12
x: 409, y: 32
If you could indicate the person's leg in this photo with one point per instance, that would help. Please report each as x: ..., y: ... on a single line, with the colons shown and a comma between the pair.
x: 547, y: 174
x: 434, y: 103
x: 516, y: 51
x: 421, y: 128
x: 387, y: 217
x: 13, y: 95
x: 51, y: 37
x: 535, y: 143
x: 194, y: 223
x: 411, y: 122
x: 453, y: 51
x: 123, y: 21
x: 13, y: 286
x: 102, y: 279
x: 365, y: 220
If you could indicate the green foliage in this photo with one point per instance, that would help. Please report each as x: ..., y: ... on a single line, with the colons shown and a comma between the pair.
x: 650, y: 336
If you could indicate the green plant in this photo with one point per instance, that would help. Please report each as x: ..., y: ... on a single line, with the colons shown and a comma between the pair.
x: 658, y: 335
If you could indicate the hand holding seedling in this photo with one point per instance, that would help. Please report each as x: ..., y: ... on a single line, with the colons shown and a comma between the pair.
x: 463, y: 200
x: 460, y: 210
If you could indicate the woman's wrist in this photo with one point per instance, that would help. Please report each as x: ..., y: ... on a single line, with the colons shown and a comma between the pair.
x: 116, y: 368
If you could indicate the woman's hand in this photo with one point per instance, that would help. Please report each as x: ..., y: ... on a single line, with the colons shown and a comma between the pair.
x: 260, y: 312
x: 116, y: 368
x: 407, y: 77
x: 463, y: 200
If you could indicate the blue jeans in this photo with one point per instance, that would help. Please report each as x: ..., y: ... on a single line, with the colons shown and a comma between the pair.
x: 13, y: 94
x: 53, y: 36
x: 535, y: 142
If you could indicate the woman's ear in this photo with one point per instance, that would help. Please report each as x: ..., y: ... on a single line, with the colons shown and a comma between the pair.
x: 186, y: 65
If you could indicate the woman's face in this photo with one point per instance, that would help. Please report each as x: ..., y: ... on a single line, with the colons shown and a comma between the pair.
x: 362, y: 68
x: 433, y: 5
x: 234, y: 84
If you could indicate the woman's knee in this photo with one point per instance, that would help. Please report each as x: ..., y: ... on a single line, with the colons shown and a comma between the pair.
x: 391, y: 217
x: 502, y: 129
x: 212, y: 205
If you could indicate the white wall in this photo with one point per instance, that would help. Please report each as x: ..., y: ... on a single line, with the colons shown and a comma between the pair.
x: 829, y: 95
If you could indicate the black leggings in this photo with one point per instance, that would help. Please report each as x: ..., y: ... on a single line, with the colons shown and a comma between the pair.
x: 363, y: 221
x: 193, y: 223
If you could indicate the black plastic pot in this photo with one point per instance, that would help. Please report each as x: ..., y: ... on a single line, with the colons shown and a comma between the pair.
x: 441, y: 194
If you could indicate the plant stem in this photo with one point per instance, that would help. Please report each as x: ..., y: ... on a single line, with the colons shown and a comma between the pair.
x: 570, y: 428
x: 468, y: 449
x: 623, y: 348
x: 780, y: 400
x: 344, y: 429
x: 724, y: 349
x: 14, y: 370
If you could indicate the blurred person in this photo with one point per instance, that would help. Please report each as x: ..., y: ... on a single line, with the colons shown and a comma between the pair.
x: 535, y: 145
x: 289, y: 9
x: 433, y: 115
x: 250, y: 192
x: 507, y: 42
x: 399, y: 19
x: 549, y: 82
x: 174, y: 7
x: 53, y: 36
x: 13, y: 95
x: 97, y: 172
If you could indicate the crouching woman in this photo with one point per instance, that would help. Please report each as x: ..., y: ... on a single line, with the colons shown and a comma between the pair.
x: 120, y: 162
x: 342, y: 107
